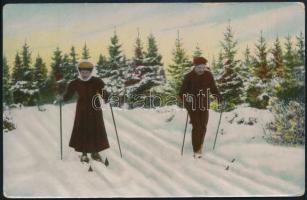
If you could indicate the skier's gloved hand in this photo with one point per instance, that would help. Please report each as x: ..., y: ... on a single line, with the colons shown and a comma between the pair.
x: 222, y: 105
x: 58, y: 99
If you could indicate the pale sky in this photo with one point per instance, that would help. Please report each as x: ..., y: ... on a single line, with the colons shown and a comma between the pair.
x: 46, y: 26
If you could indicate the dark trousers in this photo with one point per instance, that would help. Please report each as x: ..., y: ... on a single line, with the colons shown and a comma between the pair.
x: 199, y: 120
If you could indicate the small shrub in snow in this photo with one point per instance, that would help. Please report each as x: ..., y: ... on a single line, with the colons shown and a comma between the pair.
x: 8, y: 123
x: 289, y: 124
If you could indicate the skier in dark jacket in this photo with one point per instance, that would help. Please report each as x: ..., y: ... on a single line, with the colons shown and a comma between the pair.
x: 89, y: 133
x: 194, y: 93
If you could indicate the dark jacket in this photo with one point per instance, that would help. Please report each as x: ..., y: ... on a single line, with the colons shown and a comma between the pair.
x: 89, y: 133
x: 193, y: 84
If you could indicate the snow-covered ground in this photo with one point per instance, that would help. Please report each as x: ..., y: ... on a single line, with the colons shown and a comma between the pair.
x: 242, y: 164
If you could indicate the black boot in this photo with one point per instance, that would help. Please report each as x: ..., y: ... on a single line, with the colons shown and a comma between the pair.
x: 96, y: 156
x: 84, y: 157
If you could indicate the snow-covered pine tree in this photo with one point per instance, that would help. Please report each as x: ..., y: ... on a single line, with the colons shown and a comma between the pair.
x: 218, y: 66
x: 40, y: 76
x: 292, y: 87
x: 138, y: 52
x: 102, y: 66
x: 70, y: 71
x: 56, y: 61
x: 289, y: 57
x: 152, y: 56
x: 277, y: 60
x: 7, y: 96
x: 288, y: 126
x: 230, y: 83
x: 40, y: 72
x: 261, y: 68
x: 245, y: 68
x: 144, y: 73
x: 16, y: 78
x: 56, y: 70
x: 8, y: 124
x: 197, y: 52
x: 258, y: 92
x: 116, y: 72
x: 154, y: 59
x: 246, y: 71
x: 300, y: 44
x: 213, y: 65
x: 181, y: 65
x: 133, y: 76
x: 85, y: 52
x: 64, y: 67
x: 23, y: 87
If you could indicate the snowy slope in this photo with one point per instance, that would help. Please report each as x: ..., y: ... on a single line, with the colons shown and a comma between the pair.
x: 152, y: 165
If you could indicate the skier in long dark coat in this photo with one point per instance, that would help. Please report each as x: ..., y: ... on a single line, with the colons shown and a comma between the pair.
x: 195, y: 96
x: 89, y: 133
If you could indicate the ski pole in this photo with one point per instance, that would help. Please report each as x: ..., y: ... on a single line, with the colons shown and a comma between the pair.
x: 185, y: 130
x: 61, y: 128
x: 218, y: 126
x: 120, y: 151
x: 60, y: 87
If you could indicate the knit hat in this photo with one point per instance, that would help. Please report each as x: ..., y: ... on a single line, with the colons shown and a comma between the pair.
x: 85, y: 65
x: 199, y: 60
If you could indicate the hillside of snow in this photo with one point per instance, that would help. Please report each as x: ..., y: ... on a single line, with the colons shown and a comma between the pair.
x: 242, y: 164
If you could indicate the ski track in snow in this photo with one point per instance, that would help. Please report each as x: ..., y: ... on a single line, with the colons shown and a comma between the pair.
x: 152, y: 165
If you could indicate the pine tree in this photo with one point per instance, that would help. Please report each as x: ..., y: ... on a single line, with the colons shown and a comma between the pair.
x: 259, y: 90
x: 181, y: 65
x: 24, y: 89
x: 230, y: 83
x: 40, y: 72
x: 56, y: 73
x: 138, y: 52
x: 217, y: 69
x: 56, y: 62
x: 292, y: 87
x: 278, y: 66
x: 214, y: 65
x: 102, y: 66
x: 260, y: 63
x: 247, y: 56
x: 245, y: 68
x: 26, y: 62
x: 71, y: 69
x: 6, y: 98
x: 85, y: 52
x: 197, y: 52
x: 116, y: 72
x: 152, y: 56
x: 17, y: 70
x: 40, y: 77
x: 68, y: 69
x: 301, y: 48
x: 289, y: 57
x: 145, y: 74
x: 73, y: 56
x: 229, y: 44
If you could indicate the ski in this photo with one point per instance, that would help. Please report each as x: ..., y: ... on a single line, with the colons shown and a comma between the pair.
x: 87, y: 164
x: 105, y: 162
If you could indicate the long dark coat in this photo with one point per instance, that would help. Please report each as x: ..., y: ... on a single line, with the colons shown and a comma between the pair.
x: 89, y: 133
x: 199, y: 115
